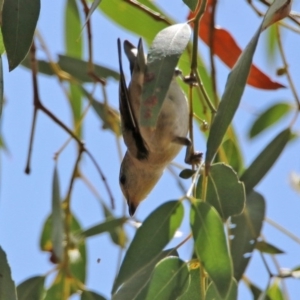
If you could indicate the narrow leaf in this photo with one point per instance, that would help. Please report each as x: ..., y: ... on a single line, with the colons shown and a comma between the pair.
x: 137, y: 286
x: 7, y: 285
x: 162, y: 60
x: 187, y: 173
x: 245, y: 229
x: 269, y: 117
x: 1, y: 88
x: 226, y: 196
x: 57, y: 218
x: 235, y: 85
x: 78, y: 68
x: 92, y: 9
x: 154, y: 234
x: 170, y: 279
x: 267, y: 248
x: 108, y: 225
x: 211, y: 245
x: 274, y: 292
x: 32, y: 288
x: 212, y: 292
x: 89, y: 295
x: 19, y: 19
x: 194, y: 288
x: 192, y: 4
x: 265, y: 160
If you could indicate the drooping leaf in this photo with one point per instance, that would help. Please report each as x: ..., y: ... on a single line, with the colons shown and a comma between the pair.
x: 7, y: 285
x: 244, y: 231
x: 235, y: 85
x: 77, y: 255
x: 212, y: 292
x: 169, y: 280
x: 211, y: 245
x: 19, y: 19
x: 75, y: 97
x: 224, y: 191
x: 274, y: 291
x: 107, y: 225
x: 73, y: 40
x: 42, y: 65
x: 187, y: 173
x: 256, y: 291
x: 92, y: 9
x: 89, y: 295
x: 226, y: 48
x: 269, y: 117
x: 57, y: 231
x: 32, y: 288
x: 137, y: 286
x: 192, y: 4
x: 78, y: 68
x: 150, y: 239
x: 194, y: 288
x: 267, y: 248
x: 162, y: 60
x: 265, y: 160
x: 233, y: 154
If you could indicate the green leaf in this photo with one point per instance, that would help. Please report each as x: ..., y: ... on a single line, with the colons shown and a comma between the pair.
x: 245, y: 231
x: 274, y: 292
x: 154, y: 234
x: 109, y: 116
x: 265, y: 160
x: 256, y: 291
x: 57, y: 232
x: 89, y: 295
x: 187, y: 173
x: 137, y: 286
x: 267, y: 248
x: 19, y: 19
x: 7, y: 285
x: 32, y: 288
x: 194, y: 288
x: 92, y: 9
x: 236, y: 82
x: 269, y: 117
x: 192, y: 4
x: 73, y: 39
x: 233, y: 155
x: 108, y: 225
x: 2, y: 48
x: 117, y: 234
x: 162, y: 59
x: 77, y: 254
x: 211, y: 245
x: 226, y: 196
x: 1, y: 88
x: 212, y: 292
x: 43, y: 66
x: 78, y: 68
x: 169, y: 280
x: 76, y: 104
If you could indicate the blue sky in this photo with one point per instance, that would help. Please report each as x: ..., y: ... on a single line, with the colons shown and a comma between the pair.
x: 26, y: 200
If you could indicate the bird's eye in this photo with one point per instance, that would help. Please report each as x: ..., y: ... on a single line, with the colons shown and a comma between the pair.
x: 122, y: 179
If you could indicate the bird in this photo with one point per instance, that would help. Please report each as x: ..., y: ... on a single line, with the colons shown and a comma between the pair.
x: 149, y: 150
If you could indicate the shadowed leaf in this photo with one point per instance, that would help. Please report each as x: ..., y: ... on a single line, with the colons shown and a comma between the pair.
x: 32, y: 288
x: 89, y: 295
x: 267, y: 248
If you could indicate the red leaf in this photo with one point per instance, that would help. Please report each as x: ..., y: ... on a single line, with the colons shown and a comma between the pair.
x: 225, y: 47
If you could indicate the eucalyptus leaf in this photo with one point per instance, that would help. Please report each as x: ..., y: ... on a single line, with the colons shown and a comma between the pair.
x: 89, y: 295
x: 275, y: 292
x: 224, y: 190
x: 7, y: 285
x: 162, y: 59
x: 150, y: 239
x: 192, y: 4
x: 57, y: 231
x: 245, y: 229
x: 270, y: 116
x: 91, y: 11
x: 187, y: 173
x: 19, y: 19
x: 265, y: 247
x: 212, y: 292
x: 236, y: 82
x: 137, y: 286
x: 211, y: 245
x: 1, y: 88
x: 32, y: 288
x: 169, y: 280
x: 265, y: 160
